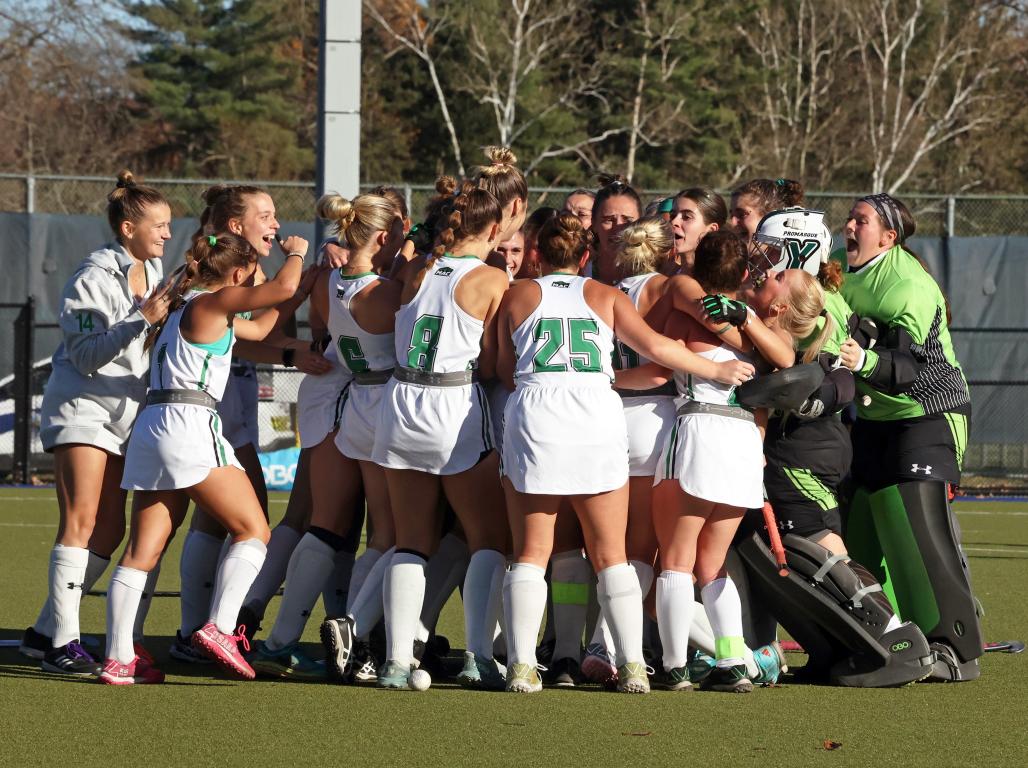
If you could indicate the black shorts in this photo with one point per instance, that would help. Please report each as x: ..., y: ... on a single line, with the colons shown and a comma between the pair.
x: 806, y: 461
x: 924, y: 448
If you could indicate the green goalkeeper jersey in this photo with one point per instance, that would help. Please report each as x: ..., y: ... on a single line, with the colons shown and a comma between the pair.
x: 895, y: 290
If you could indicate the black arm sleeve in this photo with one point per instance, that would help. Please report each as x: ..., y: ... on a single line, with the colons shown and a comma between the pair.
x: 898, y: 366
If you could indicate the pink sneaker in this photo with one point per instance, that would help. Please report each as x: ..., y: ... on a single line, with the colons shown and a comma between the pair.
x: 224, y: 649
x: 136, y: 672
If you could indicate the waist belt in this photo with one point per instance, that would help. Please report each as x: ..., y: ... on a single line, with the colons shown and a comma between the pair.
x: 665, y: 389
x: 430, y: 379
x: 373, y: 377
x: 715, y: 409
x: 180, y: 397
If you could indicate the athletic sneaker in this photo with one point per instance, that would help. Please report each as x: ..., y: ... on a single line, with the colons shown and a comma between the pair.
x: 676, y: 679
x: 338, y: 638
x: 480, y: 673
x: 136, y: 672
x: 728, y: 680
x: 430, y: 656
x: 394, y: 675
x: 523, y: 678
x: 700, y: 666
x: 250, y: 620
x: 365, y: 667
x: 182, y: 650
x: 34, y: 645
x: 71, y: 659
x: 563, y: 673
x: 544, y: 651
x: 597, y: 666
x: 771, y: 662
x: 290, y: 662
x: 224, y: 648
x: 632, y: 678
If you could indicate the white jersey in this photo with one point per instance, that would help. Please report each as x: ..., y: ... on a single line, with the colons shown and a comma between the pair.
x: 563, y: 335
x: 181, y: 364
x: 432, y: 332
x: 703, y: 390
x: 564, y: 427
x: 633, y: 286
x: 355, y: 348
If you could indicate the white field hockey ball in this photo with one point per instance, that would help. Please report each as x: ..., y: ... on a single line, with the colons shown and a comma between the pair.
x: 419, y: 680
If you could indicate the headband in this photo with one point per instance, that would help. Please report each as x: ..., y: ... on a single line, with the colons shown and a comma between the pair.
x: 885, y: 206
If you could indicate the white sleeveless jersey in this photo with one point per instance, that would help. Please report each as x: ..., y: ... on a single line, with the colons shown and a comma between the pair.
x: 626, y: 357
x: 563, y: 335
x: 432, y: 332
x: 355, y: 348
x: 707, y: 390
x: 180, y: 364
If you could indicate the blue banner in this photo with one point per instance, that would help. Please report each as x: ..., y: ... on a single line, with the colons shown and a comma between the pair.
x: 279, y: 468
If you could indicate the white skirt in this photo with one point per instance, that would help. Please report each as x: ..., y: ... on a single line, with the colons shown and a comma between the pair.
x: 356, y: 436
x: 649, y: 420
x: 173, y: 447
x: 439, y: 430
x: 565, y: 440
x: 238, y: 409
x: 715, y: 458
x: 319, y: 404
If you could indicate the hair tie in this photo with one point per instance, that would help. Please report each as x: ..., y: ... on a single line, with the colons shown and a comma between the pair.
x: 823, y: 313
x: 212, y: 240
x: 780, y: 182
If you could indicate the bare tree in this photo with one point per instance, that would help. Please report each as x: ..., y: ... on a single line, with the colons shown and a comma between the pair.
x: 416, y: 27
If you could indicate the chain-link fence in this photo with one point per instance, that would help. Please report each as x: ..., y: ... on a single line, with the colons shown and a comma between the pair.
x: 936, y: 215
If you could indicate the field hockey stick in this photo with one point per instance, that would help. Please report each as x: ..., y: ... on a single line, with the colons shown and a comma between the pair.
x: 1004, y: 646
x: 777, y: 548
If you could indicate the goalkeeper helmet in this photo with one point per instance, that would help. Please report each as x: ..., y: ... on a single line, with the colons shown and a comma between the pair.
x: 791, y: 238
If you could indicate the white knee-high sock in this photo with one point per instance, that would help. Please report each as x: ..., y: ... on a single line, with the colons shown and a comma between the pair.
x: 145, y: 599
x: 482, y: 598
x: 95, y: 568
x: 601, y: 634
x: 701, y: 633
x: 724, y: 609
x: 524, y: 601
x: 67, y: 574
x: 621, y: 600
x: 361, y: 568
x: 674, y: 616
x: 369, y: 604
x: 337, y: 589
x: 126, y: 588
x: 570, y: 576
x: 446, y: 570
x: 310, y: 568
x: 404, y: 594
x: 283, y: 541
x: 235, y: 577
x: 197, y: 568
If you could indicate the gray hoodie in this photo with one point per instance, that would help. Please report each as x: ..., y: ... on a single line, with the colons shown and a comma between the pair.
x: 99, y: 373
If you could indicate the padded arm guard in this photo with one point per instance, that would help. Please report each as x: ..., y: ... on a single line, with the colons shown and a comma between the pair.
x: 895, y: 368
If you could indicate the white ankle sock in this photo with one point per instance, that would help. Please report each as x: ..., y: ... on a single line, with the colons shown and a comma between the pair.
x: 67, y: 574
x: 404, y: 594
x: 369, y: 604
x: 446, y: 571
x: 621, y: 600
x: 570, y: 576
x: 273, y: 573
x: 674, y: 616
x: 337, y: 589
x: 123, y: 595
x: 482, y: 598
x: 145, y: 599
x: 310, y: 567
x: 724, y: 609
x: 524, y: 602
x: 235, y: 577
x: 361, y: 568
x: 197, y: 568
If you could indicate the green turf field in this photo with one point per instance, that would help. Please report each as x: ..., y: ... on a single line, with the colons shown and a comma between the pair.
x: 201, y: 718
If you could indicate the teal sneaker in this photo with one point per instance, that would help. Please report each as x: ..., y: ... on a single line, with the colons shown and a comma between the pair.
x: 676, y: 679
x: 771, y: 662
x: 481, y: 673
x: 394, y: 675
x: 632, y: 678
x: 523, y: 678
x: 290, y: 662
x: 700, y: 665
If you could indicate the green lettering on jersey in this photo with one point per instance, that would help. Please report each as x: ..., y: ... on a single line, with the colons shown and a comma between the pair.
x: 423, y: 342
x: 85, y: 321
x: 624, y: 357
x: 352, y: 354
x: 583, y: 352
x: 552, y: 330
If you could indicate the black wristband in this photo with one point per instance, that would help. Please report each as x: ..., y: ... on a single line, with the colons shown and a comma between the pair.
x: 288, y: 354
